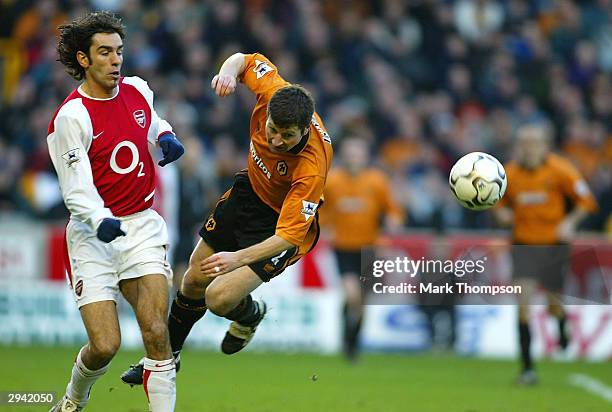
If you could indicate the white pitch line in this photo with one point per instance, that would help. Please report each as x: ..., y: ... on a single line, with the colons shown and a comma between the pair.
x: 592, y: 385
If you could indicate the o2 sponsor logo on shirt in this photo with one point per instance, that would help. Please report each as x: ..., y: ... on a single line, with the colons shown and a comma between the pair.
x: 135, y: 159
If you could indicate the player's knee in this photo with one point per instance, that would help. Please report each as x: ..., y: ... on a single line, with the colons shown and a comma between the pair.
x: 156, y: 331
x: 353, y: 295
x: 219, y: 301
x: 105, y: 349
x: 194, y: 260
x: 193, y: 282
x: 354, y: 302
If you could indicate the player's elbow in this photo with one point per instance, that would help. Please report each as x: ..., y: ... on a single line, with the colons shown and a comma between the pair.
x: 238, y: 61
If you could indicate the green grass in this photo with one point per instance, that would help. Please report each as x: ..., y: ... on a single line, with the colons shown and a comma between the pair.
x: 255, y: 382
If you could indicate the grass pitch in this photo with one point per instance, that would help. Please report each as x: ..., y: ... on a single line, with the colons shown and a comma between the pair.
x: 258, y: 382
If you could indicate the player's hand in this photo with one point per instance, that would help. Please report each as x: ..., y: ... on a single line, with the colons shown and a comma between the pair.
x: 223, y: 84
x: 566, y: 230
x: 109, y: 229
x: 172, y: 149
x: 504, y: 216
x: 394, y: 224
x: 220, y: 264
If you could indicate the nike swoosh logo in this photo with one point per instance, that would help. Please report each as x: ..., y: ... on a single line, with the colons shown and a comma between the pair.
x: 95, y: 136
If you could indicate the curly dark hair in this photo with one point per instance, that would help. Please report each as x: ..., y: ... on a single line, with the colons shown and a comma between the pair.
x: 76, y: 36
x: 291, y: 106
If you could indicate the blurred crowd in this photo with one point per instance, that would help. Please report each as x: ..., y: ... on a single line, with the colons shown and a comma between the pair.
x: 425, y: 81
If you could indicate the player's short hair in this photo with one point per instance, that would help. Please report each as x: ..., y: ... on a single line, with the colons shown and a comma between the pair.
x: 76, y: 36
x: 291, y: 106
x: 540, y: 131
x: 355, y: 138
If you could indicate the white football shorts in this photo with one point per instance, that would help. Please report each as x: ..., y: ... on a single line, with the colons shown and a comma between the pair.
x: 97, y: 267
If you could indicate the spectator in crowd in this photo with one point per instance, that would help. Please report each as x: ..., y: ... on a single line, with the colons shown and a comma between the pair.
x: 464, y: 75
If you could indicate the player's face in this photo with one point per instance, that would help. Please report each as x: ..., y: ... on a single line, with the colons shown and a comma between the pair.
x: 281, y: 140
x: 105, y: 60
x: 532, y: 149
x: 354, y: 155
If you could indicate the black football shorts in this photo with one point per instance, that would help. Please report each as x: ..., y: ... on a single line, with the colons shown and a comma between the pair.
x: 547, y: 264
x: 241, y: 219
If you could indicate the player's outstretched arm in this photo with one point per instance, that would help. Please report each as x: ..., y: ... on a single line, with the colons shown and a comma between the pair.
x: 224, y: 83
x: 224, y: 262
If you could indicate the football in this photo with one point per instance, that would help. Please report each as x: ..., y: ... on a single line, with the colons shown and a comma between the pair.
x: 478, y: 181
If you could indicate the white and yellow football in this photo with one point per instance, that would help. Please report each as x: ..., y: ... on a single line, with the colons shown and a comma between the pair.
x: 478, y: 181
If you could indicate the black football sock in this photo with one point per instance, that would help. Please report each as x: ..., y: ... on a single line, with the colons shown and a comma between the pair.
x: 184, y: 313
x: 352, y: 327
x: 347, y: 329
x: 525, y: 342
x: 563, y: 339
x: 354, y: 334
x: 246, y: 313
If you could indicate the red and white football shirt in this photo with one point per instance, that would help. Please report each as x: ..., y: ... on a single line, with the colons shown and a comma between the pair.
x: 99, y: 148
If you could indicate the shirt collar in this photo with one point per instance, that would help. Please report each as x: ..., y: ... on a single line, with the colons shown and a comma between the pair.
x: 300, y: 146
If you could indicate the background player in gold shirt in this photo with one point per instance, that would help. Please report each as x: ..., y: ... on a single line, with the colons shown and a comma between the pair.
x: 539, y: 184
x: 358, y: 201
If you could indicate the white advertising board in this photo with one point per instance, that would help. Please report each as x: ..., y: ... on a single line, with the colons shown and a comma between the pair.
x: 43, y: 312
